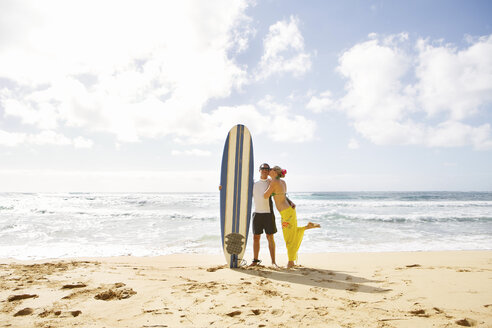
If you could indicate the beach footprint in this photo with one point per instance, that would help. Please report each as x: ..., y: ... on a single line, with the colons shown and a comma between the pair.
x: 420, y: 313
x: 467, y: 322
x: 23, y: 312
x: 277, y: 312
x: 115, y: 294
x: 215, y: 268
x: 19, y: 297
x: 234, y: 313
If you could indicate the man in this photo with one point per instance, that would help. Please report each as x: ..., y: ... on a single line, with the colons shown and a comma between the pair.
x: 263, y: 217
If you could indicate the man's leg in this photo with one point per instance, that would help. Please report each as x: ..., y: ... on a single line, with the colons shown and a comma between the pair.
x: 256, y: 247
x: 271, y: 247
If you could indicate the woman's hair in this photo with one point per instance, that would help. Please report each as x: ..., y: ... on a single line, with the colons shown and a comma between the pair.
x: 280, y: 173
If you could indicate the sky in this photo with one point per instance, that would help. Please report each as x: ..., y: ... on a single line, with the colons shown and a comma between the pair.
x: 138, y: 96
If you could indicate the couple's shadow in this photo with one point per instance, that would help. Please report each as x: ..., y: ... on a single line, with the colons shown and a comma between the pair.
x: 314, y: 277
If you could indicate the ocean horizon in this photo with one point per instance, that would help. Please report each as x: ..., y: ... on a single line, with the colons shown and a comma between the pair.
x: 40, y: 225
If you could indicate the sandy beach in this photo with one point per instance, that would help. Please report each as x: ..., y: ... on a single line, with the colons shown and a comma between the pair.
x: 406, y: 289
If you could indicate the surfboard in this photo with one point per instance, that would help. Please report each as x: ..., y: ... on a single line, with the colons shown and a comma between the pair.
x: 236, y: 179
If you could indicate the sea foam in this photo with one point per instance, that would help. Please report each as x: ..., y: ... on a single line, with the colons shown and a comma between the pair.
x: 61, y: 225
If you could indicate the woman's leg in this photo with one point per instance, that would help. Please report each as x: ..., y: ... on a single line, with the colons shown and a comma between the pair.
x: 312, y: 225
x: 292, y: 234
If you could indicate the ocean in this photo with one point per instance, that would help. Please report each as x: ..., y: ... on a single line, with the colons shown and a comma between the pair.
x: 66, y: 225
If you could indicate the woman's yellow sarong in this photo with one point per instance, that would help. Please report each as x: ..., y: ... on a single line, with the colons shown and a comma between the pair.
x: 292, y: 233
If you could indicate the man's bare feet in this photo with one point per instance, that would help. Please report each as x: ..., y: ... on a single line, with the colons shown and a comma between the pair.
x: 311, y: 225
x: 255, y: 262
x: 290, y: 265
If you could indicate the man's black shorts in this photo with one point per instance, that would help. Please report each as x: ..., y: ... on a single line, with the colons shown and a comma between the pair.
x: 264, y: 221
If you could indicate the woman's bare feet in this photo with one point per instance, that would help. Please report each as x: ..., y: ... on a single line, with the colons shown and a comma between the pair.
x: 311, y: 225
x: 290, y: 265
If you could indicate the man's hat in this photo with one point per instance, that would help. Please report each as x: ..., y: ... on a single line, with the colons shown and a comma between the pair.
x: 264, y: 166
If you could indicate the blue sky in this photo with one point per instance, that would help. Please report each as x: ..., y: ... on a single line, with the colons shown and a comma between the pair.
x: 346, y: 95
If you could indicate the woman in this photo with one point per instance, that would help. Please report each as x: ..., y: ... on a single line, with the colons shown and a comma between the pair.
x: 292, y: 233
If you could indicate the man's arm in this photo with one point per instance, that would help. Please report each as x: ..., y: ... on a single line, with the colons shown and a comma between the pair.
x: 290, y: 202
x: 269, y: 190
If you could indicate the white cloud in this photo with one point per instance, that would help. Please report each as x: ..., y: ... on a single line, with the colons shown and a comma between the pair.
x: 454, y: 82
x: 46, y: 137
x: 282, y: 125
x: 353, y: 144
x: 147, y: 79
x: 273, y: 119
x: 225, y: 117
x: 284, y: 50
x: 374, y: 90
x: 136, y: 70
x: 11, y: 139
x: 456, y: 134
x: 271, y: 107
x: 292, y: 129
x: 389, y: 88
x: 81, y: 142
x: 191, y: 152
x: 28, y: 110
x: 49, y: 138
x: 322, y: 103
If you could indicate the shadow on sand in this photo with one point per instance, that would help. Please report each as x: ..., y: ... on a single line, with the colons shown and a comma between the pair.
x: 315, y: 277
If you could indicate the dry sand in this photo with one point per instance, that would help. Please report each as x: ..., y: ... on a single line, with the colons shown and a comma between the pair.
x: 407, y: 289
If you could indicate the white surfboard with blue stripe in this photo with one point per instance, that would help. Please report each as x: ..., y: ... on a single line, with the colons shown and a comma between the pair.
x: 236, y: 179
